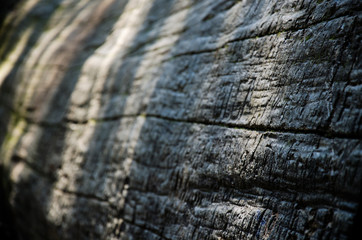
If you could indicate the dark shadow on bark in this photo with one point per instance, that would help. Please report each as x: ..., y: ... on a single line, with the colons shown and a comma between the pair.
x: 41, y: 163
x: 6, y: 7
x: 354, y: 230
x: 8, y: 230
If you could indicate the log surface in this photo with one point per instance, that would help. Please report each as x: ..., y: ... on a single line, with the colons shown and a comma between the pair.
x: 182, y: 119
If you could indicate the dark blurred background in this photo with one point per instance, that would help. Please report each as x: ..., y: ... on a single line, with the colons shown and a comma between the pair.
x: 5, y: 7
x: 7, y: 226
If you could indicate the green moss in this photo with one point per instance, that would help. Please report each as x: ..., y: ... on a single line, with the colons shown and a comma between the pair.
x: 280, y: 33
x: 333, y: 37
x: 16, y: 130
x: 93, y: 121
x: 14, y: 120
x: 60, y: 8
x: 309, y: 36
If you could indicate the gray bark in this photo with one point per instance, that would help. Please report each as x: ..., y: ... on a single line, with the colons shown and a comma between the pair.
x: 182, y: 119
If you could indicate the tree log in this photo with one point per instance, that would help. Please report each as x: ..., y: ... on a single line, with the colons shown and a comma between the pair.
x: 183, y: 119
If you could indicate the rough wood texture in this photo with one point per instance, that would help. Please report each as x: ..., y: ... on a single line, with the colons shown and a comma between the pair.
x: 182, y: 119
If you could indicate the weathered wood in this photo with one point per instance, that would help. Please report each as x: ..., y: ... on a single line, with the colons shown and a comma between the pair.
x: 182, y: 120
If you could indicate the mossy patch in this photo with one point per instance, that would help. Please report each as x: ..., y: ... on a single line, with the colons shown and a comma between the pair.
x: 280, y: 33
x: 308, y: 37
x: 16, y: 130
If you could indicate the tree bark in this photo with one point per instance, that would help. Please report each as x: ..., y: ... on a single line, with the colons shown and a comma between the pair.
x: 183, y: 119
